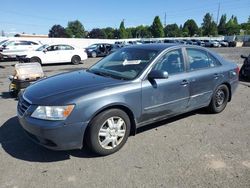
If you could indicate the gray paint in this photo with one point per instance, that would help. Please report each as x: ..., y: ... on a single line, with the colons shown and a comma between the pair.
x: 148, y: 100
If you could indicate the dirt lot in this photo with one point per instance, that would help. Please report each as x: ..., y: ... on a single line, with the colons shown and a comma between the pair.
x: 192, y: 150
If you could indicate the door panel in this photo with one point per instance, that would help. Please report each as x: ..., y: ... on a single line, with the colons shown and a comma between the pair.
x: 163, y: 97
x: 204, y: 77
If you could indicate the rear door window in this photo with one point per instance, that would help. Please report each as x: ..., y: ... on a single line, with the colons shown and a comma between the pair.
x: 198, y: 59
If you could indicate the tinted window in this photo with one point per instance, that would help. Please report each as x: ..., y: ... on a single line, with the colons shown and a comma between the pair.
x: 65, y: 47
x: 33, y: 43
x: 172, y: 62
x: 25, y: 43
x: 198, y: 59
x: 53, y: 48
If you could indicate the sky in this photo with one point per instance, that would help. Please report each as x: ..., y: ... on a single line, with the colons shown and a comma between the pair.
x: 38, y: 17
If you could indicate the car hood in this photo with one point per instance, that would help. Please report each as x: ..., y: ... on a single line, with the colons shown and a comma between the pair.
x: 67, y: 86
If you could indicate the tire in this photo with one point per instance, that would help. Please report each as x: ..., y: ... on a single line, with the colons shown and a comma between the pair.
x: 219, y: 99
x: 35, y: 59
x: 93, y: 54
x: 13, y: 91
x: 108, y: 140
x: 75, y: 60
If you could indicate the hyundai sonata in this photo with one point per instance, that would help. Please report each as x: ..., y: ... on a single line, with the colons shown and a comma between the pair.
x: 132, y: 87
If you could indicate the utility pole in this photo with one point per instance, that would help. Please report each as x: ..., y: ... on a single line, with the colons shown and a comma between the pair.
x: 165, y: 20
x: 218, y: 14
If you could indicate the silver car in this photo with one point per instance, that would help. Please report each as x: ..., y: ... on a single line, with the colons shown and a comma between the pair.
x: 132, y: 87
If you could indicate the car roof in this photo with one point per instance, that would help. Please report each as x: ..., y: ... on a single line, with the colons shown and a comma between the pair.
x: 153, y: 46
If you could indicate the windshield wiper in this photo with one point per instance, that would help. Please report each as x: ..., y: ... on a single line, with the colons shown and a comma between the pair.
x: 100, y: 73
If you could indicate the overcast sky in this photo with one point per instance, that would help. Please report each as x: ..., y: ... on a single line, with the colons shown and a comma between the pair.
x: 39, y: 16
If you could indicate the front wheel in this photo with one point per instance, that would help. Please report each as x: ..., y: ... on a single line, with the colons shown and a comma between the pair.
x: 93, y: 54
x: 108, y: 131
x: 35, y: 60
x: 219, y: 99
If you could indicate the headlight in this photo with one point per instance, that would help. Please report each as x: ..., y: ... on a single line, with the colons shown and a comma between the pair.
x: 52, y: 112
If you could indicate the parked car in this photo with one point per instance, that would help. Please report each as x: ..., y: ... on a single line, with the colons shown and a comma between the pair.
x: 11, y: 47
x: 232, y: 44
x: 211, y: 43
x: 98, y: 50
x: 3, y: 42
x: 135, y: 86
x: 223, y: 43
x: 56, y: 53
x: 201, y: 43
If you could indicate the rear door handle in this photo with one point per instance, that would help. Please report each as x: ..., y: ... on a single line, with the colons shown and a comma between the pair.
x: 184, y: 82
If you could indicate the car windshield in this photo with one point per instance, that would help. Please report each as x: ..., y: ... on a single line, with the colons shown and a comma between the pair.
x: 125, y: 64
x: 93, y: 46
x: 41, y: 48
x: 2, y: 42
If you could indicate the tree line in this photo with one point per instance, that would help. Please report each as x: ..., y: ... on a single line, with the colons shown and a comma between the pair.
x: 209, y: 27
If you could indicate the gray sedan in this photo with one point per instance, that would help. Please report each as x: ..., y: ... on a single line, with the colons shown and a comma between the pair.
x: 135, y: 86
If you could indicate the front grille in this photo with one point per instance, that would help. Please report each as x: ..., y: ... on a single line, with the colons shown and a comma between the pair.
x: 22, y: 106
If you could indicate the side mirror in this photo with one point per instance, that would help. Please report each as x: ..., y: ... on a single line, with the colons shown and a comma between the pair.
x: 158, y: 74
x: 244, y: 57
x: 45, y: 50
x: 4, y: 46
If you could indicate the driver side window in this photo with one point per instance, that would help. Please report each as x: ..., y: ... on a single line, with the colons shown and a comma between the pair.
x: 172, y: 62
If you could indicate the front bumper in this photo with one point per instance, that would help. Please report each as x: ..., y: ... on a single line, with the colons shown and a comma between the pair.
x: 55, y: 135
x: 23, y: 59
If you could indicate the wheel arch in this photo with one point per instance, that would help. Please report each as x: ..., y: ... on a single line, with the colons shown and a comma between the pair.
x: 37, y: 58
x: 229, y: 88
x: 76, y: 55
x: 122, y: 107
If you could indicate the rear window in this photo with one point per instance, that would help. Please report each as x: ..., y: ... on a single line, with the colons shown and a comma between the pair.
x: 200, y: 59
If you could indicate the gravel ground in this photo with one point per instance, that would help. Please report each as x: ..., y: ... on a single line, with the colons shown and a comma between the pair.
x: 192, y: 150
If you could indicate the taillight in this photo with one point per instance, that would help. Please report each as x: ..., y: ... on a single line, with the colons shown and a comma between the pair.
x: 238, y: 70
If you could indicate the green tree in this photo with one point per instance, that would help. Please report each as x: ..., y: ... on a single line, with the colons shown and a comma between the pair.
x: 75, y: 29
x: 191, y: 27
x: 97, y: 33
x: 109, y: 32
x: 157, y: 28
x: 222, y: 25
x: 57, y: 31
x: 129, y: 32
x: 143, y: 32
x: 246, y: 27
x: 172, y: 30
x: 185, y: 32
x: 209, y: 26
x: 232, y: 26
x: 122, y: 31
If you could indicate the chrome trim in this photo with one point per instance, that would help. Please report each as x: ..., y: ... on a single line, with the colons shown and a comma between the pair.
x: 197, y: 95
x: 159, y: 105
x: 26, y: 99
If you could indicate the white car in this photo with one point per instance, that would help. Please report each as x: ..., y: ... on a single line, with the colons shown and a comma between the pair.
x: 10, y: 48
x: 57, y: 53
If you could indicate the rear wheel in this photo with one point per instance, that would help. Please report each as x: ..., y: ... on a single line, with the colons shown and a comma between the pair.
x: 108, y: 132
x: 35, y: 59
x: 219, y: 99
x: 75, y: 59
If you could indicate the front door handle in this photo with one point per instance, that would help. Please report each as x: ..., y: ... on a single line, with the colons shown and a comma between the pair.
x: 184, y: 82
x: 216, y: 76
